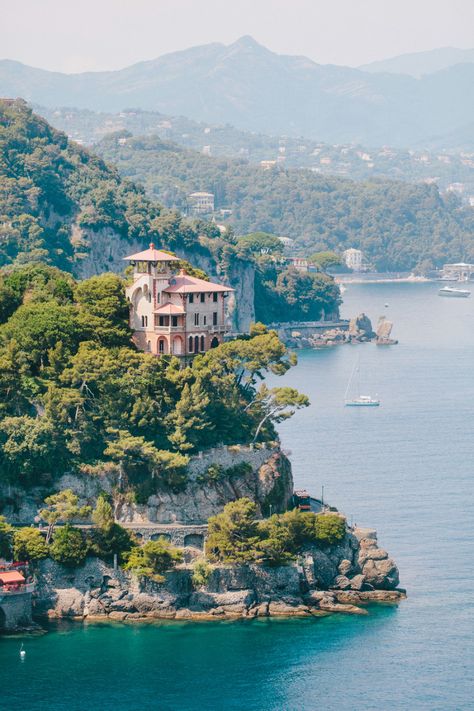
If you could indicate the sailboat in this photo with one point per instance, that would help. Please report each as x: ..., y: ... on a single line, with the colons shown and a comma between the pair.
x: 360, y: 400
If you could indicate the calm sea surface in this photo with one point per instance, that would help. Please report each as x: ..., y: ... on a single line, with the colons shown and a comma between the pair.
x: 406, y: 469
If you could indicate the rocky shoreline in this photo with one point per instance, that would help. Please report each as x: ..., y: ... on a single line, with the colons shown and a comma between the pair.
x: 339, y: 579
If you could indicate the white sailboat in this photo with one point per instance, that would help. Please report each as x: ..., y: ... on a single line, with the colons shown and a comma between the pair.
x: 360, y: 400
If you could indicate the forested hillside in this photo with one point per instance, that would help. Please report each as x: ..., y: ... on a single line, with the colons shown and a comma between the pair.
x: 76, y: 395
x: 64, y: 206
x: 397, y: 225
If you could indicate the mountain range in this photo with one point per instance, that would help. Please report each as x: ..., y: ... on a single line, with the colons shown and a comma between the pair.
x: 417, y: 64
x: 258, y: 90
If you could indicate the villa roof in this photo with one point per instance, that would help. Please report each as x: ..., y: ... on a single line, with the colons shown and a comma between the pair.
x: 11, y: 577
x: 170, y: 309
x: 183, y: 283
x: 151, y: 255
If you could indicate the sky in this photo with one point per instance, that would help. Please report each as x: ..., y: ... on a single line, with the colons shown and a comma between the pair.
x: 93, y: 35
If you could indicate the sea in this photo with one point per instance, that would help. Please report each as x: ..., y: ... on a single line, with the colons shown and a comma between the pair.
x: 405, y: 468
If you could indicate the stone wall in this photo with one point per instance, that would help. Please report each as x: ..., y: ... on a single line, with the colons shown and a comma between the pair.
x: 342, y: 578
x: 15, y: 611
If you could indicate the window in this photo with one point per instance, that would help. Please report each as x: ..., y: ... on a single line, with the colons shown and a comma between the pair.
x: 203, y: 298
x: 196, y: 344
x: 174, y: 321
x: 144, y: 321
x: 190, y: 344
x: 214, y: 297
x: 204, y: 320
x: 196, y: 319
x: 191, y: 298
x: 164, y: 320
x: 158, y: 298
x: 214, y: 318
x: 202, y: 343
x: 161, y: 346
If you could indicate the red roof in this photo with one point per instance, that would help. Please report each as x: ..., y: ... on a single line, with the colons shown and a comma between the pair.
x: 11, y: 577
x: 151, y: 255
x: 185, y: 284
x: 171, y: 309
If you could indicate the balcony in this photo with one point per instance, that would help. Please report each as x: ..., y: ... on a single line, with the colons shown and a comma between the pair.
x: 19, y: 590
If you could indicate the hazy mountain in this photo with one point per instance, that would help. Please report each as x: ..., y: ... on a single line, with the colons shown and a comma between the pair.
x: 417, y: 64
x: 258, y: 90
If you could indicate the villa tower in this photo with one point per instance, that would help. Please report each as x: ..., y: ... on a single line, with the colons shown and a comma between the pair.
x: 172, y: 312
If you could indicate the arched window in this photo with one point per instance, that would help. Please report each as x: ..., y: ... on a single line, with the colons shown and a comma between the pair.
x: 161, y: 345
x: 196, y: 344
x: 214, y: 342
x: 202, y: 343
x: 148, y: 346
x: 190, y: 347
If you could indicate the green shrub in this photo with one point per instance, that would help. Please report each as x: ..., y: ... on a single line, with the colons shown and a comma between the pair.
x: 6, y: 538
x: 201, y: 573
x: 105, y: 542
x: 152, y: 559
x: 29, y: 544
x: 233, y: 534
x: 330, y: 528
x: 68, y: 547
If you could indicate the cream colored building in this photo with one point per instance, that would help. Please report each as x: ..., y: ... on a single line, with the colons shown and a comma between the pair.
x: 202, y: 203
x: 353, y: 259
x: 172, y: 312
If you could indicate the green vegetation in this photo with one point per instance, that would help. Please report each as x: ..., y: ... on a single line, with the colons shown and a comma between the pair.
x: 397, y: 225
x: 69, y: 547
x: 202, y: 571
x: 330, y: 529
x: 75, y: 394
x: 327, y: 260
x: 7, y: 533
x: 29, y: 544
x: 153, y: 558
x: 63, y: 507
x: 56, y: 197
x: 286, y: 294
x: 235, y: 536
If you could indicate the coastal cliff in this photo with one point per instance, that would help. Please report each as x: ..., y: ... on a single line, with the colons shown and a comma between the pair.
x: 336, y: 579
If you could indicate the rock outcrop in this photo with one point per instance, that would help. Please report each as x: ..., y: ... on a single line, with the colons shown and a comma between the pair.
x: 266, y: 479
x: 337, y: 579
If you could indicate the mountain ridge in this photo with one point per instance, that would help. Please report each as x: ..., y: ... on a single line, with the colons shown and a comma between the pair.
x: 256, y: 89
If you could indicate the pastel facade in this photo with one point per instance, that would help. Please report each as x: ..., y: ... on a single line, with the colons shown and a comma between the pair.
x: 353, y: 259
x: 172, y: 312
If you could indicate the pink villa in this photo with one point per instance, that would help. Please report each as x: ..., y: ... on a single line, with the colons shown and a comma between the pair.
x: 173, y: 313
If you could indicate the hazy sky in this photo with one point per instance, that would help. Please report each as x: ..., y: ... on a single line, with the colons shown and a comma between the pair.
x: 109, y: 34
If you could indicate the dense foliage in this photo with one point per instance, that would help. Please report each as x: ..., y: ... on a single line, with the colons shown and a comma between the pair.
x: 55, y: 197
x: 397, y: 225
x: 75, y: 394
x: 236, y: 536
x: 153, y: 558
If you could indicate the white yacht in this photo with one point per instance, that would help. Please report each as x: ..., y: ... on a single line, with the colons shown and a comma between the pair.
x: 359, y: 400
x: 452, y: 291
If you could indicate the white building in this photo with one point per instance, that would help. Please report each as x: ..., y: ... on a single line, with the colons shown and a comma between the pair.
x: 201, y: 203
x: 353, y: 259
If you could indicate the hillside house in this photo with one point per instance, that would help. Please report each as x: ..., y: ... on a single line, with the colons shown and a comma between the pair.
x: 172, y: 312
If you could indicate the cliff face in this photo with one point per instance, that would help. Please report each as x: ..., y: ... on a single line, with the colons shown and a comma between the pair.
x: 104, y: 250
x: 331, y: 579
x: 267, y: 481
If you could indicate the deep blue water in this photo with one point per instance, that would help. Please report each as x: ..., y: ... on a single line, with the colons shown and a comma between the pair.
x: 406, y: 469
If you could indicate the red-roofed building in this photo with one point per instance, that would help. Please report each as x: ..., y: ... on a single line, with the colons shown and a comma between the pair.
x: 173, y: 313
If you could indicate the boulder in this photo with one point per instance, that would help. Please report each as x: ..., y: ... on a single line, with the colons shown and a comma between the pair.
x: 357, y: 582
x: 341, y: 582
x: 344, y: 567
x: 382, y: 574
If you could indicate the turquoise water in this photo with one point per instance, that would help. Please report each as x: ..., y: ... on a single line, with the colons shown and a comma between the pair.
x: 406, y: 469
